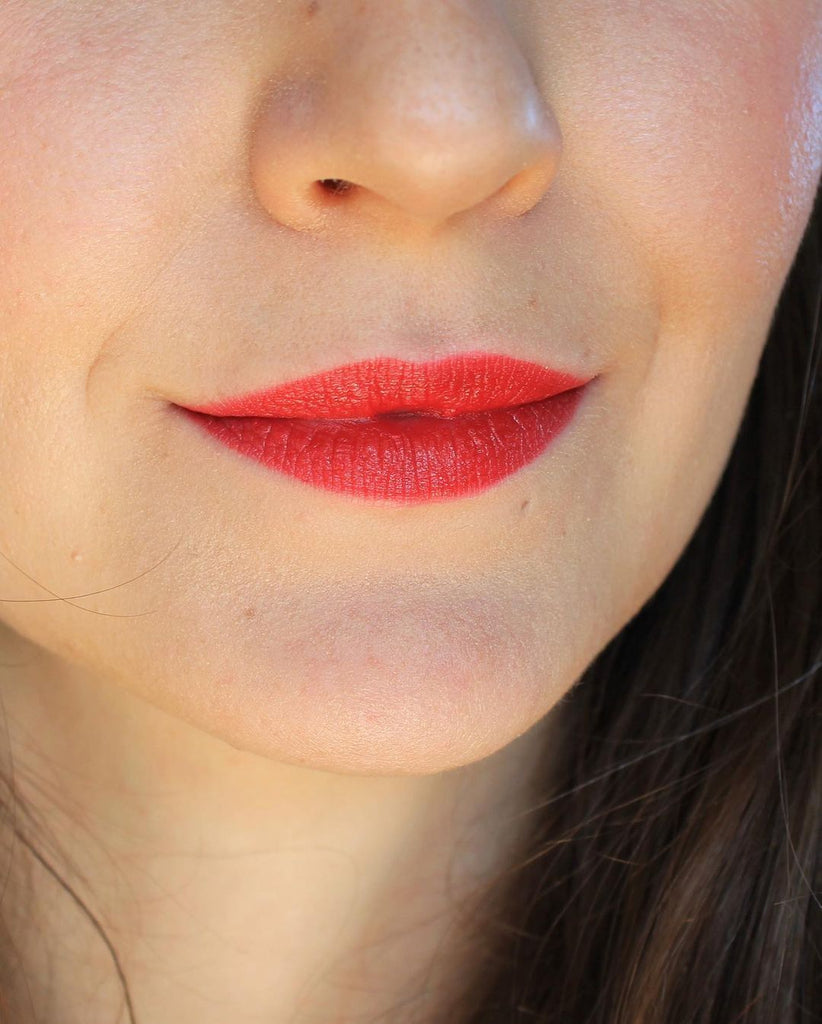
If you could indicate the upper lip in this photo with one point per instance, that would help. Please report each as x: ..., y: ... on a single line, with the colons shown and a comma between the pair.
x: 451, y: 386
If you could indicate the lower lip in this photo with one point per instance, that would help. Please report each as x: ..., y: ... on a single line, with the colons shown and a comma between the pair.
x: 410, y: 459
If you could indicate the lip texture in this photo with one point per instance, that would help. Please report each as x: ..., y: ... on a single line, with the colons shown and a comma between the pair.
x: 401, y: 431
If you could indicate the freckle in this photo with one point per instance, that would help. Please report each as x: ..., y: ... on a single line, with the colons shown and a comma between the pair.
x: 533, y: 301
x: 250, y: 613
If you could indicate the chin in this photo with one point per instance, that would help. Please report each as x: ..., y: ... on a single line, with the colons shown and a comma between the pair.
x: 372, y: 696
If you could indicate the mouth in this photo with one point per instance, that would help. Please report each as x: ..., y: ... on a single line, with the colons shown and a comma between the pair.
x: 386, y: 429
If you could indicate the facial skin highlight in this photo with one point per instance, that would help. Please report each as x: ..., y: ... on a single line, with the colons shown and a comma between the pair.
x: 614, y: 187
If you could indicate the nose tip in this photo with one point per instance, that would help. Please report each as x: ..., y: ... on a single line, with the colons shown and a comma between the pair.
x: 408, y: 126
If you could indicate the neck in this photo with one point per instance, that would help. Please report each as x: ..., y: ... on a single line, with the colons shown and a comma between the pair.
x: 232, y: 887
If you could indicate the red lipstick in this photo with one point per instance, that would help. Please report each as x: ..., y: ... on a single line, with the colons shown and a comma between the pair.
x: 401, y: 431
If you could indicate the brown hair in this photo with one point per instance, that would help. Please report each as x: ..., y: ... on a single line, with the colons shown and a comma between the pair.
x: 673, y: 866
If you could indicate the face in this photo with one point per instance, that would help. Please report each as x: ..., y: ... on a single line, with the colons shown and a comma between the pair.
x: 611, y: 187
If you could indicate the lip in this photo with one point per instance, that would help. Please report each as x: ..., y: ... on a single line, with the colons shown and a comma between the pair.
x: 399, y: 431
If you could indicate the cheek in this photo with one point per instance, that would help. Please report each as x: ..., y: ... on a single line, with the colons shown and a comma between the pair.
x: 99, y: 174
x: 697, y: 129
x: 694, y: 135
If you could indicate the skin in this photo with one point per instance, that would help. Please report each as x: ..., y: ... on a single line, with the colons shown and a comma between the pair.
x: 279, y: 711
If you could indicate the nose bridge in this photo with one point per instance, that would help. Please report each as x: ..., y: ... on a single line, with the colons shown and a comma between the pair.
x: 425, y: 107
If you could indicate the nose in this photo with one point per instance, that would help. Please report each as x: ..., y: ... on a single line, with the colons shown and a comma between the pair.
x: 411, y: 112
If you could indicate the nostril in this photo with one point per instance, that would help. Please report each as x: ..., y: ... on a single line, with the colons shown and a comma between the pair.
x: 335, y: 186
